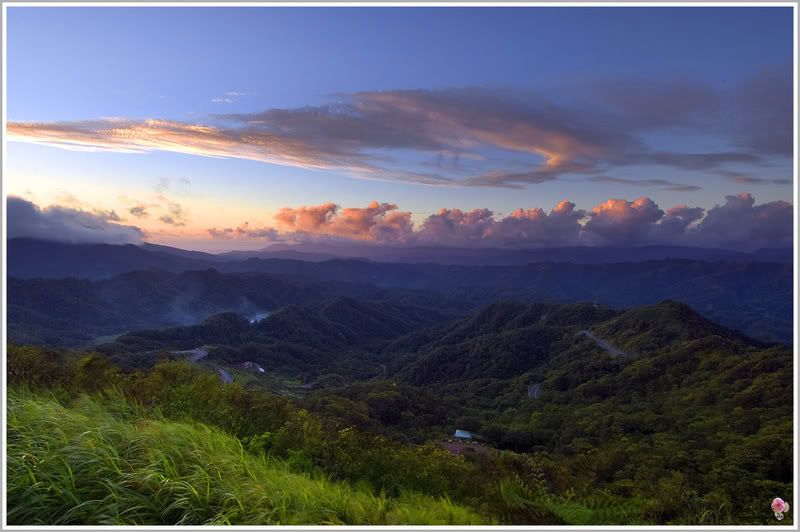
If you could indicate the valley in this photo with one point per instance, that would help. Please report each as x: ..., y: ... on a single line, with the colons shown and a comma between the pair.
x: 578, y: 411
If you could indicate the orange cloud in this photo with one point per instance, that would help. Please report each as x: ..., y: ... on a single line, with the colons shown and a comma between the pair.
x: 121, y: 135
x: 377, y: 222
x: 615, y: 222
x: 487, y: 131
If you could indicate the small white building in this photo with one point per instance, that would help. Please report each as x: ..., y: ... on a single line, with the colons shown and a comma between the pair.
x: 463, y: 435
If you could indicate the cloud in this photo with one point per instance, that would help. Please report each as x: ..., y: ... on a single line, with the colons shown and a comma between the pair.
x: 176, y: 215
x: 675, y: 223
x: 696, y: 161
x: 385, y: 134
x: 618, y: 221
x: 658, y: 183
x: 108, y: 215
x: 737, y: 224
x: 228, y: 97
x: 179, y: 187
x: 762, y: 121
x: 522, y: 228
x: 162, y: 185
x: 743, y: 179
x: 460, y: 228
x: 244, y: 231
x: 252, y: 143
x: 647, y: 104
x: 66, y: 224
x: 139, y: 211
x: 378, y: 222
x: 65, y: 199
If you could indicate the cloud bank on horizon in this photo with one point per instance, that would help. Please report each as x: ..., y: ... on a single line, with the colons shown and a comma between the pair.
x: 738, y: 223
x: 68, y: 224
x: 485, y: 137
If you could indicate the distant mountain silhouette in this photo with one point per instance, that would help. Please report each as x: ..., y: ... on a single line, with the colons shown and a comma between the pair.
x: 751, y: 296
x: 503, y: 257
x: 28, y: 258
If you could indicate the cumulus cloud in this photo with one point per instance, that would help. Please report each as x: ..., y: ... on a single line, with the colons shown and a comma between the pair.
x: 620, y: 221
x: 66, y: 224
x: 379, y: 222
x: 534, y: 227
x: 522, y: 228
x: 737, y: 224
x: 675, y: 223
x: 459, y: 228
x: 245, y: 231
x: 383, y: 135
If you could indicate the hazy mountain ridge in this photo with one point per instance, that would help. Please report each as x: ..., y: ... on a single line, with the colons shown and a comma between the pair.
x: 73, y: 311
x: 317, y: 252
x: 29, y: 258
x: 750, y: 296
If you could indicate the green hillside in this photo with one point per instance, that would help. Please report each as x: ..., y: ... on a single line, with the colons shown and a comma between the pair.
x: 584, y: 414
x: 107, y: 463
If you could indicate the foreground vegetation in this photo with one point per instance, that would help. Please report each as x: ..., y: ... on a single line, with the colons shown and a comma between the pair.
x: 92, y: 444
x: 102, y: 462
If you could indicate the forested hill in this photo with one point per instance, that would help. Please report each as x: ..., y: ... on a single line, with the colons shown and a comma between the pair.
x: 76, y: 312
x: 586, y: 414
x: 507, y: 339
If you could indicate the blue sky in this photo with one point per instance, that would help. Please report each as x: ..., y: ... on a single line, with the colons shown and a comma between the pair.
x: 586, y: 85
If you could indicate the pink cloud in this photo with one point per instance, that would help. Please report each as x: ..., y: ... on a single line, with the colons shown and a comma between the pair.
x: 622, y: 221
x: 379, y: 222
x: 738, y: 224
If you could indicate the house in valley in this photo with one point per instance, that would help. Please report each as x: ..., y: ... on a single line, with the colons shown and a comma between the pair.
x: 463, y: 435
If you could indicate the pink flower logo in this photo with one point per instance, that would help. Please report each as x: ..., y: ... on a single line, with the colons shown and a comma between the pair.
x: 779, y: 506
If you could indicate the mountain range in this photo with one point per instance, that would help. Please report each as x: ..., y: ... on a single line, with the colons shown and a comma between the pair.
x: 661, y: 389
x: 70, y: 294
x: 29, y: 258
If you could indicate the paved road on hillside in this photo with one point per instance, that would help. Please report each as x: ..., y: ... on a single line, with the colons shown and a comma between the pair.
x: 199, y: 354
x: 196, y: 355
x: 604, y: 345
x: 535, y: 390
x: 193, y: 354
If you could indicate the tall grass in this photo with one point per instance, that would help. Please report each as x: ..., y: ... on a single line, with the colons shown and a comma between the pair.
x: 105, y: 462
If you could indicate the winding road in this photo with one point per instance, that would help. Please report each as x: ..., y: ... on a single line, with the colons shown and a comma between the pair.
x: 535, y: 390
x: 193, y: 354
x: 604, y: 345
x: 196, y: 355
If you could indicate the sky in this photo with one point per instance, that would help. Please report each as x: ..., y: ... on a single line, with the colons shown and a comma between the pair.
x: 235, y: 128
